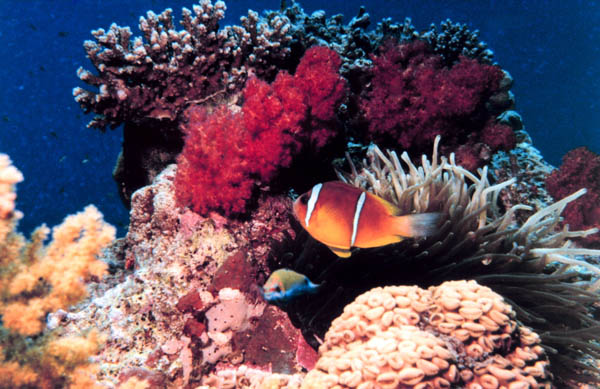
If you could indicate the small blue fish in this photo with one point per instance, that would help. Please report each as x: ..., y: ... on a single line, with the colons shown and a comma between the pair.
x: 284, y: 285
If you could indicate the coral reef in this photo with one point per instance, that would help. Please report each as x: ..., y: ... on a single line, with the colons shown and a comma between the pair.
x: 36, y: 279
x: 257, y: 111
x: 227, y: 152
x: 456, y: 334
x: 190, y: 312
x: 424, y: 98
x: 580, y: 169
x: 147, y: 83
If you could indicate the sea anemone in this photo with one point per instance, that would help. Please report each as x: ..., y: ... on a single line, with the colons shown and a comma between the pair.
x: 534, y: 266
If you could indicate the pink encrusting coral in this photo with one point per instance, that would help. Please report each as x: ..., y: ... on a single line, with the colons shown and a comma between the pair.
x: 229, y: 151
x: 580, y: 169
x: 414, y: 97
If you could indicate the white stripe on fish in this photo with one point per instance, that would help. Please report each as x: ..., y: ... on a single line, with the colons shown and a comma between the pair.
x: 359, y: 206
x: 312, y: 201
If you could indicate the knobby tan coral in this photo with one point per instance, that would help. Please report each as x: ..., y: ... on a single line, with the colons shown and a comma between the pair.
x: 457, y: 334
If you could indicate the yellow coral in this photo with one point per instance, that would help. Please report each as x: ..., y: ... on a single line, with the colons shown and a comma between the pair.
x: 62, y: 268
x: 15, y: 375
x: 61, y: 354
x: 37, y: 279
x: 84, y: 377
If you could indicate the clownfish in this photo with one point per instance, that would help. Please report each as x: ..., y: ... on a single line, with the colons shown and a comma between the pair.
x: 284, y: 285
x: 342, y: 216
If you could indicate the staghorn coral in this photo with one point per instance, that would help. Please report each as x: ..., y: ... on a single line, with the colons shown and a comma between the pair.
x: 456, y: 334
x: 277, y: 122
x: 533, y: 265
x: 580, y: 169
x: 157, y: 76
x: 37, y: 279
x: 424, y: 98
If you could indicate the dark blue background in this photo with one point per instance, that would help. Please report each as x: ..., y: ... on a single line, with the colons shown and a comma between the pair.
x: 550, y: 48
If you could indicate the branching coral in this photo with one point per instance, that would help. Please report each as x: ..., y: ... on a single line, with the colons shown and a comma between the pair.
x: 580, y: 169
x: 454, y: 40
x: 226, y: 153
x: 533, y: 265
x: 159, y: 75
x: 455, y: 334
x: 37, y: 279
x: 414, y: 97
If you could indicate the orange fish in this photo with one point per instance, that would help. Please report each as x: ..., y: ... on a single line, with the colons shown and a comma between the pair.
x: 342, y: 216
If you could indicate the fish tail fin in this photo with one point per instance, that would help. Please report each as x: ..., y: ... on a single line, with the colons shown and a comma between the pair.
x: 314, y: 288
x: 417, y: 225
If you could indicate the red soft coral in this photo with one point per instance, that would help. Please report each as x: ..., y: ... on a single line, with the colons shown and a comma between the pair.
x: 212, y: 171
x: 414, y: 97
x: 227, y: 153
x: 272, y: 115
x: 580, y: 169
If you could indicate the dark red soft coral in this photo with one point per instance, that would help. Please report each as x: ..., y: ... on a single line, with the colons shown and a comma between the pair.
x: 414, y: 97
x: 580, y: 169
x: 317, y: 76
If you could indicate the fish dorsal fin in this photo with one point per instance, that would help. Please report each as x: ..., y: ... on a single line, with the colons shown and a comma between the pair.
x: 389, y: 207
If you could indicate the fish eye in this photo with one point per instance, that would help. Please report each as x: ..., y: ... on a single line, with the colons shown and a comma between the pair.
x: 277, y: 288
x: 304, y: 199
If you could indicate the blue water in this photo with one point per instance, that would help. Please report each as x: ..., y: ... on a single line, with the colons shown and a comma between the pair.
x: 550, y: 48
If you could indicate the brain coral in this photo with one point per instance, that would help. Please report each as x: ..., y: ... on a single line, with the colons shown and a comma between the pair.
x: 457, y: 334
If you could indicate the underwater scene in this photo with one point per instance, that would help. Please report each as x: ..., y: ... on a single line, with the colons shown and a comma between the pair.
x: 280, y: 194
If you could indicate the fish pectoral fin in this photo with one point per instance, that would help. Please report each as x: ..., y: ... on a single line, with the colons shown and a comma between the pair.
x: 340, y: 252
